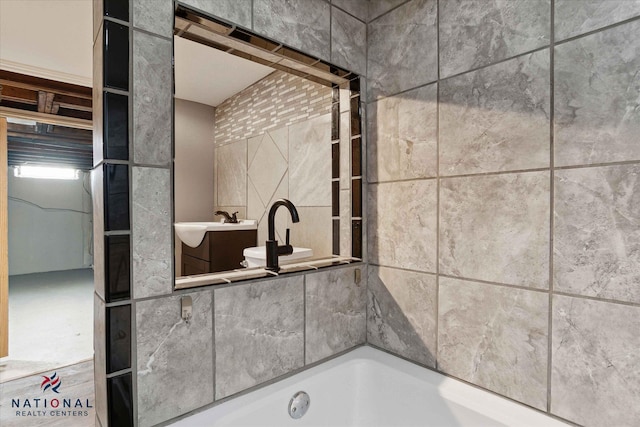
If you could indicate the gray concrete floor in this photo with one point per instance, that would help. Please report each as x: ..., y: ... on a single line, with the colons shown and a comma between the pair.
x: 50, y: 322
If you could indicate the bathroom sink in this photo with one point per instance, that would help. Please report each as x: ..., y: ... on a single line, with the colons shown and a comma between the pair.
x: 192, y: 233
x: 257, y: 256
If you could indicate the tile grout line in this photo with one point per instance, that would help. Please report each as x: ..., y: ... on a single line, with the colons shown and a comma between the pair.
x: 134, y: 362
x: 529, y: 52
x: 388, y: 11
x: 508, y: 285
x: 133, y: 351
x: 304, y: 320
x: 551, y: 198
x: 597, y: 30
x: 437, y: 266
x: 213, y: 343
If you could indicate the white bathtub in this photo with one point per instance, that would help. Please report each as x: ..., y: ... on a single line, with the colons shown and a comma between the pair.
x: 367, y: 387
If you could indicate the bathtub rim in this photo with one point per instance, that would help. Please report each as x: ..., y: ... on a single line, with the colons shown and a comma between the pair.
x: 379, y: 355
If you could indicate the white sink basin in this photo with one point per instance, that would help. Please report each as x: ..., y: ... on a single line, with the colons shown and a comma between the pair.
x: 192, y: 233
x: 257, y: 256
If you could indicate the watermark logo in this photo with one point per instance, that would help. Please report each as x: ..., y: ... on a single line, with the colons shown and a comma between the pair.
x: 61, y: 404
x: 53, y: 382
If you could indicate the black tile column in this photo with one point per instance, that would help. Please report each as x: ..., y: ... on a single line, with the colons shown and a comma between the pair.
x: 112, y: 202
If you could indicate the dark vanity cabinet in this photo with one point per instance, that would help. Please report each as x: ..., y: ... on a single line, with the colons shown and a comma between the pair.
x: 219, y: 251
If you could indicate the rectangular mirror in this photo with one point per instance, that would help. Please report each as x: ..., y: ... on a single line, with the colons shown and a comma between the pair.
x: 256, y: 122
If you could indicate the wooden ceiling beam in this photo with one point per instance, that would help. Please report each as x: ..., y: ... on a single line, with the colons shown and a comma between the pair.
x: 48, y: 106
x: 46, y: 118
x: 42, y: 99
x: 18, y: 94
x: 45, y: 102
x: 74, y: 103
x: 35, y: 83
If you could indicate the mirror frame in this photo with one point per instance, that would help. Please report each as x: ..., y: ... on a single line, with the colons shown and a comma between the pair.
x: 218, y: 34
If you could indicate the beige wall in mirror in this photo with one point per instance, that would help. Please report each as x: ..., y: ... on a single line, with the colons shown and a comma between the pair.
x: 245, y: 136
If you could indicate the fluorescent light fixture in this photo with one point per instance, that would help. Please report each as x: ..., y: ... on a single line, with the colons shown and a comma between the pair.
x: 45, y: 172
x: 17, y: 121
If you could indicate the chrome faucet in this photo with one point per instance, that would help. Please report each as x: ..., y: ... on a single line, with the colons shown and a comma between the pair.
x: 273, y: 250
x: 231, y: 219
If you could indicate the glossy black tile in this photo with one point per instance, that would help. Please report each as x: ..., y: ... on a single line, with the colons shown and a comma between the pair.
x: 335, y: 198
x: 354, y: 85
x: 118, y: 338
x: 116, y: 199
x: 336, y: 237
x: 356, y: 238
x: 335, y: 160
x: 355, y: 116
x: 116, y: 56
x: 335, y: 122
x: 118, y: 9
x: 116, y: 126
x: 356, y: 157
x: 120, y: 400
x: 117, y: 267
x: 356, y: 198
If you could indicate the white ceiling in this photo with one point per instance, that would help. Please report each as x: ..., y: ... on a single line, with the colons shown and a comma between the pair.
x: 48, y: 38
x: 209, y: 76
x: 53, y: 39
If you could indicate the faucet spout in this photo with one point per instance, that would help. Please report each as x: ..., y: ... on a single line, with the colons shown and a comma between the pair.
x: 272, y: 248
x: 232, y: 219
x: 272, y: 215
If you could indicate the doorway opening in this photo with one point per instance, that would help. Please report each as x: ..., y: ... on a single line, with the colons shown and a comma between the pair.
x: 49, y: 232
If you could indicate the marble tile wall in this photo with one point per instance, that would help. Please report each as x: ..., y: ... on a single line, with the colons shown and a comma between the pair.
x: 242, y: 336
x: 168, y: 352
x: 291, y: 162
x: 477, y: 56
x: 504, y: 197
x: 168, y: 349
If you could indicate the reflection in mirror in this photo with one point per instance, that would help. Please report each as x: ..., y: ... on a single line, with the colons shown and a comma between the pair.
x: 247, y: 135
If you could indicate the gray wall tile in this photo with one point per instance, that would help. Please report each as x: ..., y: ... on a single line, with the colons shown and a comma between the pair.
x: 575, y: 17
x: 155, y: 16
x: 173, y: 355
x: 151, y: 232
x: 597, y: 232
x: 475, y: 33
x: 358, y: 8
x: 496, y: 228
x: 236, y: 11
x: 401, y: 313
x: 348, y: 42
x: 403, y: 140
x: 302, y: 25
x: 152, y: 99
x: 597, y: 118
x: 495, y: 337
x: 379, y: 7
x: 259, y: 333
x: 496, y: 118
x: 231, y: 174
x: 335, y: 312
x: 595, y: 380
x: 310, y: 162
x: 402, y: 49
x: 402, y: 224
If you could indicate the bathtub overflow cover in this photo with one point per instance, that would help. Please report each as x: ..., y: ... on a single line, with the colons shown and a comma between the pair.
x: 299, y: 404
